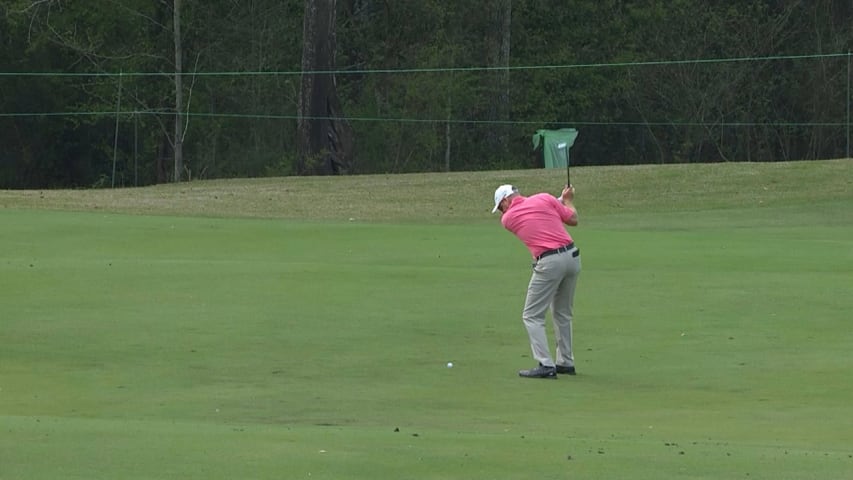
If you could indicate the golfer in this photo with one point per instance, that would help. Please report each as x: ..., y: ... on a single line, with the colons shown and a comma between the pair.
x: 538, y: 221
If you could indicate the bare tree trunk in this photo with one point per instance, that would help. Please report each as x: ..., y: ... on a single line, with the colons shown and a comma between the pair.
x: 448, y: 139
x: 499, y: 56
x: 324, y: 137
x: 179, y: 100
x: 506, y: 38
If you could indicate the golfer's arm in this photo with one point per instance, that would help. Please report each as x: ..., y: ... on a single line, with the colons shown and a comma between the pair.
x: 573, y: 219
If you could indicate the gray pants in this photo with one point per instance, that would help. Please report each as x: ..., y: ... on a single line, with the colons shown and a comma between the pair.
x: 552, y: 285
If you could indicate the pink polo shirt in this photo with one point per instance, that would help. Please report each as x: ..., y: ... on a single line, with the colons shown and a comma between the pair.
x: 537, y: 221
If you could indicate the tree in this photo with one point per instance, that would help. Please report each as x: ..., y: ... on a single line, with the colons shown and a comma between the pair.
x: 215, y: 87
x: 100, y: 39
x: 324, y: 137
x: 178, y: 141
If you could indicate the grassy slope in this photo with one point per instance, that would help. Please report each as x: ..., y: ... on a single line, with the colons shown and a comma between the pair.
x: 712, y: 329
x: 466, y: 197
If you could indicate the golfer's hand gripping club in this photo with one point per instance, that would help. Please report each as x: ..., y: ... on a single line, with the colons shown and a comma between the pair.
x: 568, y: 194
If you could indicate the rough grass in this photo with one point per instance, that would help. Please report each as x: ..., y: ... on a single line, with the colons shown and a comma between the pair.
x: 466, y: 197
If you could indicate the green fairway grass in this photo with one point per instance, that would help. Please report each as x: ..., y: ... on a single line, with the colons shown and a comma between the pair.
x: 301, y: 327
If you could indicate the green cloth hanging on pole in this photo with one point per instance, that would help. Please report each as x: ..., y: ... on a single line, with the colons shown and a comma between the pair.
x: 555, y: 146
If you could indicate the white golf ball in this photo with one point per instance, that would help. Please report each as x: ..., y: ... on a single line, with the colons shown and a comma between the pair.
x: 449, y: 364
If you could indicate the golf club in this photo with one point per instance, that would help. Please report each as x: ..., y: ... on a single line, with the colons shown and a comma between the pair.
x: 565, y: 148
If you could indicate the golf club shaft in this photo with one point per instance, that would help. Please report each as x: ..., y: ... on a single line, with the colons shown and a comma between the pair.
x: 568, y: 171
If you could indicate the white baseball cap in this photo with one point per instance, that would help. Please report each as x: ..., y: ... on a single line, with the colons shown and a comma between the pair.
x: 502, y: 192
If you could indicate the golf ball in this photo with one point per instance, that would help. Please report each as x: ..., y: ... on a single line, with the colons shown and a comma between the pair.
x: 449, y: 364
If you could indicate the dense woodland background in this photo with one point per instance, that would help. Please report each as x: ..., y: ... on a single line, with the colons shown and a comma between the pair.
x: 134, y: 92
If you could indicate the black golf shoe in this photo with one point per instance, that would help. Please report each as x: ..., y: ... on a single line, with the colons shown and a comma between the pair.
x: 566, y: 370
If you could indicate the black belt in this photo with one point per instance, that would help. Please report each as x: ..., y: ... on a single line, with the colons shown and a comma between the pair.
x: 564, y: 248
